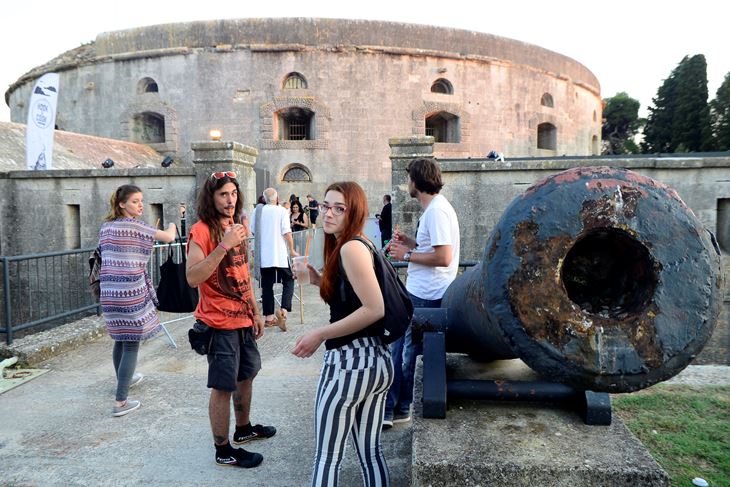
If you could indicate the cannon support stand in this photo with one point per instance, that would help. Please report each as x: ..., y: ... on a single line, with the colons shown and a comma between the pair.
x: 594, y: 407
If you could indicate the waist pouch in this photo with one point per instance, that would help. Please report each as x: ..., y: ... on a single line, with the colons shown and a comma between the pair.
x: 200, y: 337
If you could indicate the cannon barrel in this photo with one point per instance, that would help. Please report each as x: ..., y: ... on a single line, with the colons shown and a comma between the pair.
x: 596, y: 277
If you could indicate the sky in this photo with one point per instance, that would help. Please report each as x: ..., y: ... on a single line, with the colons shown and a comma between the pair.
x: 630, y: 46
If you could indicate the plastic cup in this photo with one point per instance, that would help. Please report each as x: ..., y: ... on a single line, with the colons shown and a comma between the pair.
x: 299, y: 266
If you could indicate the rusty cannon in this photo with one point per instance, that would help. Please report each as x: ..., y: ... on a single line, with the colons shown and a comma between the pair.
x: 600, y: 279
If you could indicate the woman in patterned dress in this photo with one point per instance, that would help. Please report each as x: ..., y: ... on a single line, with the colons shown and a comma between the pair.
x: 128, y: 299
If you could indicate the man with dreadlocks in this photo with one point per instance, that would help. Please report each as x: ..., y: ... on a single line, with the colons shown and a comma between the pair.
x: 217, y: 265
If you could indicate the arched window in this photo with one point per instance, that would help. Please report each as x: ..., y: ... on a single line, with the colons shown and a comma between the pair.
x: 443, y: 127
x: 148, y: 128
x: 147, y: 85
x: 443, y: 86
x: 294, y: 123
x: 294, y: 81
x: 594, y: 115
x: 547, y: 136
x: 547, y: 100
x: 297, y: 174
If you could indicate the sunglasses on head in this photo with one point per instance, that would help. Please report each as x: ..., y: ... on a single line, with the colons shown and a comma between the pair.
x: 223, y: 174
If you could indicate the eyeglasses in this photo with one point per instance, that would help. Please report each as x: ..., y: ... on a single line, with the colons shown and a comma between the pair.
x: 223, y: 174
x: 336, y: 210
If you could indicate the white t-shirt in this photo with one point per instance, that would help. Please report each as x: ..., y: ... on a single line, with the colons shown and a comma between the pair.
x: 274, y: 225
x: 437, y: 225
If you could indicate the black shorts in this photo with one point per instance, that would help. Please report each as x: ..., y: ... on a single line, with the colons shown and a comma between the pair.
x: 234, y: 357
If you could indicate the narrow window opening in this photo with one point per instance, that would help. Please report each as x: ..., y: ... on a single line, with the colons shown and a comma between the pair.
x: 443, y: 86
x: 547, y: 100
x: 147, y: 85
x: 723, y: 224
x: 72, y: 224
x: 158, y: 215
x: 547, y: 136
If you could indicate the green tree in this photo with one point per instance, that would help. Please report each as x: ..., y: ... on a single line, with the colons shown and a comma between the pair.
x: 720, y: 114
x: 680, y: 117
x: 620, y: 123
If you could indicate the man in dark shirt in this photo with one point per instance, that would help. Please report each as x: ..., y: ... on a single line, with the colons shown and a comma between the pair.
x: 313, y: 206
x: 385, y: 221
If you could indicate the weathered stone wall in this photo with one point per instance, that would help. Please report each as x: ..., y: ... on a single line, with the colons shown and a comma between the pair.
x: 366, y: 81
x: 480, y: 190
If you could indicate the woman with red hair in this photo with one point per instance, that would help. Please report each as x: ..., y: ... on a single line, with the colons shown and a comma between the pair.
x: 357, y: 369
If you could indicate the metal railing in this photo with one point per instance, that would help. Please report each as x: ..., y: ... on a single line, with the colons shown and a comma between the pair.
x: 47, y: 289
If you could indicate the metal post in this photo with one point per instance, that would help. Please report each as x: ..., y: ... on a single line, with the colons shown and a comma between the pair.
x: 8, y: 306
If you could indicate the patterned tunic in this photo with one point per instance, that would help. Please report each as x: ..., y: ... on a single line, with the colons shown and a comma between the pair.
x: 128, y: 299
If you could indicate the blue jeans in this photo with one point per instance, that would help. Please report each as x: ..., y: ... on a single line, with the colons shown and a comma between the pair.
x: 404, y: 352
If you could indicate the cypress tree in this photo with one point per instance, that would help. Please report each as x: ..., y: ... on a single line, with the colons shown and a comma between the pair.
x: 679, y: 121
x: 720, y: 112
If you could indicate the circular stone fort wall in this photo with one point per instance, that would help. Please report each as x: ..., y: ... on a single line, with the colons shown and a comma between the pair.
x: 320, y: 98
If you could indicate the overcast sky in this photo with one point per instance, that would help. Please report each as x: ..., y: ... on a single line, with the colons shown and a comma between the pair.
x: 629, y: 45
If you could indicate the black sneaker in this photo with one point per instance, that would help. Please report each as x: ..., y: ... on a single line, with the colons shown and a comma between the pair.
x: 257, y: 432
x: 238, y: 457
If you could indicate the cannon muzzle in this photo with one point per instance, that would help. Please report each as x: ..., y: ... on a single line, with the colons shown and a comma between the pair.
x: 599, y: 278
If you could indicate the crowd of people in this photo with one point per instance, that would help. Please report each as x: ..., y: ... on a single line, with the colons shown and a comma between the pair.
x: 365, y: 385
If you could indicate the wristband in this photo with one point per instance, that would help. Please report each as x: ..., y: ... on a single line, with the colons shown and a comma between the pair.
x: 223, y: 247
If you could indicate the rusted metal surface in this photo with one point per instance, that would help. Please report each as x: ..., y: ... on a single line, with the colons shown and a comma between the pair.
x: 599, y: 278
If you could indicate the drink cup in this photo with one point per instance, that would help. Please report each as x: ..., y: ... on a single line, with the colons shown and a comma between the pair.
x: 299, y: 266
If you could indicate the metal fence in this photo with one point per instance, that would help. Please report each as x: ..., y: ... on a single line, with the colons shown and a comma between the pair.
x: 46, y: 290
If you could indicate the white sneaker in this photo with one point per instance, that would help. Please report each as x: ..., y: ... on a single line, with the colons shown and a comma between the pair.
x: 136, y: 379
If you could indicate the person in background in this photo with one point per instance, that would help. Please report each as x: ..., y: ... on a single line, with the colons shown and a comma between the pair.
x: 217, y: 265
x: 128, y: 300
x: 298, y: 218
x: 385, y: 221
x: 276, y: 243
x: 357, y: 368
x: 313, y: 206
x: 433, y: 261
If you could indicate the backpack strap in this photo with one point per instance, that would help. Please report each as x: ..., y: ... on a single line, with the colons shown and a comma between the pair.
x: 343, y: 274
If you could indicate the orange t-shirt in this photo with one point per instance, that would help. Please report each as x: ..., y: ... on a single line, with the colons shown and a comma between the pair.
x: 224, y: 296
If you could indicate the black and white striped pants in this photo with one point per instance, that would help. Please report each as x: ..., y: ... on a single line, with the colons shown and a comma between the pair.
x: 350, y: 400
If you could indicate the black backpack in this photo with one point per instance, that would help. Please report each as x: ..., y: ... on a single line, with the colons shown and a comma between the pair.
x: 396, y: 301
x: 94, y: 271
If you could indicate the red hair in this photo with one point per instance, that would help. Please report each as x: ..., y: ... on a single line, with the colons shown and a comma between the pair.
x: 355, y: 216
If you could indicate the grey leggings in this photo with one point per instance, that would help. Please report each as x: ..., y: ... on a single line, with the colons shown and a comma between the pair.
x: 125, y: 361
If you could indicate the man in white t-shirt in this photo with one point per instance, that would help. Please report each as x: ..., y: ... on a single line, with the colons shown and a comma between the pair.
x: 276, y: 243
x: 433, y: 261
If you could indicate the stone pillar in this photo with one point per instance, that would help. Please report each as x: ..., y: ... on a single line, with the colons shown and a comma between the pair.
x: 215, y: 156
x: 403, y: 150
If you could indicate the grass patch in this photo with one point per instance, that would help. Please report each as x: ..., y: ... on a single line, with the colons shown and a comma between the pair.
x: 686, y: 429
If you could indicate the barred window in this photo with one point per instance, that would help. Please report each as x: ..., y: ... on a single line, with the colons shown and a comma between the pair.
x: 443, y: 127
x: 297, y: 174
x: 295, y: 124
x: 294, y: 81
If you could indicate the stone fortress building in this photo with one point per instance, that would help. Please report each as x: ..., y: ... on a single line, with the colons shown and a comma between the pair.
x: 319, y: 98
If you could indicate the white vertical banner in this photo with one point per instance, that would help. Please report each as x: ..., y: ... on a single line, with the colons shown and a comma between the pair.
x: 41, y: 122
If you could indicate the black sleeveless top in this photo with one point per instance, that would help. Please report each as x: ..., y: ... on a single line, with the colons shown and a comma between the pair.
x: 343, y: 303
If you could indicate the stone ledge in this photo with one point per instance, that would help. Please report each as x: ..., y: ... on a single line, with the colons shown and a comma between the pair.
x: 33, y: 349
x: 518, y: 444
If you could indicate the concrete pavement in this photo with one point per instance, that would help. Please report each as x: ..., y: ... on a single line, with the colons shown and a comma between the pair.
x: 57, y: 429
